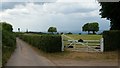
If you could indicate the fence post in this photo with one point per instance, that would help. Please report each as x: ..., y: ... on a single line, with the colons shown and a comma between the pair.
x: 101, y: 45
x: 62, y: 48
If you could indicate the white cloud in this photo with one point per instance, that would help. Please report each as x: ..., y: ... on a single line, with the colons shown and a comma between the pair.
x: 71, y: 7
x: 65, y: 16
x: 27, y: 0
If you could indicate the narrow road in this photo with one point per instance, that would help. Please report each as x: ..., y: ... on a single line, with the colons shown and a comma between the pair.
x: 24, y: 55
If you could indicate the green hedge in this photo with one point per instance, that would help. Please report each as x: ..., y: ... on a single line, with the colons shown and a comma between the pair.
x: 111, y: 40
x: 8, y: 45
x: 47, y: 43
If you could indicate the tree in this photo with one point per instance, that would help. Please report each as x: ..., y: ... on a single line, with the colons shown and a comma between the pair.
x: 85, y: 28
x: 18, y: 29
x: 6, y: 26
x: 69, y: 33
x: 52, y: 29
x: 111, y: 11
x: 94, y: 27
x: 26, y: 30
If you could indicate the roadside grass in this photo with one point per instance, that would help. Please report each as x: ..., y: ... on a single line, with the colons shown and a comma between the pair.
x: 85, y: 37
x: 72, y: 55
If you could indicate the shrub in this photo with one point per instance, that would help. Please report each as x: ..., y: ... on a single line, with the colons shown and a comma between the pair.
x: 47, y: 43
x: 79, y: 33
x: 111, y: 40
x: 8, y: 45
x: 8, y: 41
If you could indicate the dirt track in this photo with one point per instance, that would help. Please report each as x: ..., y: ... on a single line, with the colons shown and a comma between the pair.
x: 24, y: 55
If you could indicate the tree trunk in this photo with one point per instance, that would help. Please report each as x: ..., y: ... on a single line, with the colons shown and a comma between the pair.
x: 94, y: 32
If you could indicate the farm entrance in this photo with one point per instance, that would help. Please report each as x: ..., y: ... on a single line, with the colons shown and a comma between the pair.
x: 82, y: 45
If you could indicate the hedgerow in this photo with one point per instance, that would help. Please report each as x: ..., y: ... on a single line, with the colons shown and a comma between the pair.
x: 8, y: 45
x: 8, y: 41
x: 111, y: 40
x: 47, y: 43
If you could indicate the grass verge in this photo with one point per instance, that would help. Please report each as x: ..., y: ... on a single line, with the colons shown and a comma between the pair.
x: 113, y: 55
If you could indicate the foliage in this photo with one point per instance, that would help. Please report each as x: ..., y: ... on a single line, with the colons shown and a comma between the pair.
x: 6, y: 26
x: 91, y: 27
x: 79, y: 33
x: 8, y: 42
x: 111, y: 11
x: 18, y: 29
x: 52, y: 29
x: 111, y: 40
x: 47, y: 43
x: 69, y: 33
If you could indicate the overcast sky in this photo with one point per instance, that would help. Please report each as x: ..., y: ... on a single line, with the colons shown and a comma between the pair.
x: 66, y: 15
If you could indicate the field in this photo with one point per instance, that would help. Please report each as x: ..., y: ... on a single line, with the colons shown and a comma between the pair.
x: 84, y: 46
x: 85, y: 37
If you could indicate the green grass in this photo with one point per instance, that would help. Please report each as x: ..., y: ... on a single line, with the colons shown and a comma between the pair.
x: 85, y: 37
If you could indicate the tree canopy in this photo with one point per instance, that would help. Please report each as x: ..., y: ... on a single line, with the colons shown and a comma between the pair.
x: 52, y: 29
x: 111, y: 11
x: 18, y: 29
x: 6, y: 26
x: 94, y: 27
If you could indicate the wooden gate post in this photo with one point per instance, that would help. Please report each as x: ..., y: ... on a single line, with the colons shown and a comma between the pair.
x: 101, y: 45
x: 62, y: 48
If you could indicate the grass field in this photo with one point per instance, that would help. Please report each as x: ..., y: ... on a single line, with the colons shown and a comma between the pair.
x: 85, y: 37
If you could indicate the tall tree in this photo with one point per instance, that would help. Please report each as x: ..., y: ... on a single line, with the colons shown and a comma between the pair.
x: 94, y: 27
x: 18, y: 29
x: 52, y: 29
x: 111, y: 11
x: 6, y: 26
x: 86, y: 27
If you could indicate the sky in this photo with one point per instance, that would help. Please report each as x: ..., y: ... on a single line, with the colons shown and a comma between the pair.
x: 39, y: 15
